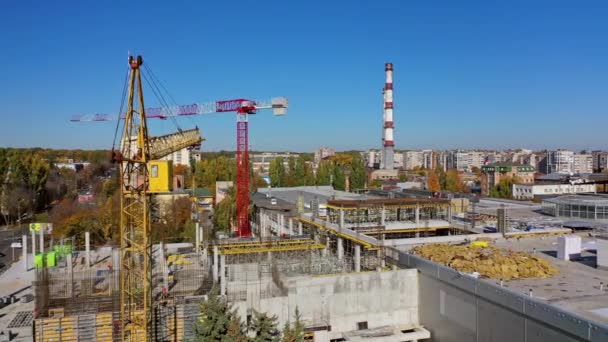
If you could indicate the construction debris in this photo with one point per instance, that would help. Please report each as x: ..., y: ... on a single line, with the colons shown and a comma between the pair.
x: 488, y: 262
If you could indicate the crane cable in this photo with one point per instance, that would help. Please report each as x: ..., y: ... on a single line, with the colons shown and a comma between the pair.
x: 159, y: 95
x: 122, y: 104
x: 158, y: 80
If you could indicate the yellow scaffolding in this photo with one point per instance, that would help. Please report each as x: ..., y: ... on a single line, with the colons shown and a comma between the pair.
x: 354, y: 239
x: 232, y: 248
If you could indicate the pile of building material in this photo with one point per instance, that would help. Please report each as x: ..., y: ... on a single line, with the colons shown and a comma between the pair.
x: 489, y: 262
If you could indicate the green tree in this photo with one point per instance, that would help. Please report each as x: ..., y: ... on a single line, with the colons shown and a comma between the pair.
x: 294, y: 332
x: 357, y: 175
x: 215, y: 317
x: 504, y: 188
x: 225, y: 212
x: 299, y: 172
x: 276, y: 171
x: 309, y: 176
x: 323, y: 172
x: 264, y: 328
x: 442, y: 176
x: 339, y: 180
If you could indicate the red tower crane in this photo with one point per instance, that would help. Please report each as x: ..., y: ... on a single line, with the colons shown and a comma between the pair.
x: 243, y: 109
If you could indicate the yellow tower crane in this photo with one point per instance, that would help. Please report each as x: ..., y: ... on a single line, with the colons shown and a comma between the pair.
x: 138, y: 169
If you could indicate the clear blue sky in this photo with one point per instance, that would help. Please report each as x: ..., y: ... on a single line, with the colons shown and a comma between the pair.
x: 487, y: 74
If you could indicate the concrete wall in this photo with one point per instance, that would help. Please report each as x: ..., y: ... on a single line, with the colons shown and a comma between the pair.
x: 380, y: 298
x: 457, y: 307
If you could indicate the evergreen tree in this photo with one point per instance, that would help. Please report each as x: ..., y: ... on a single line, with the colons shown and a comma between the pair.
x: 264, y: 328
x: 295, y: 332
x: 235, y: 331
x: 215, y: 318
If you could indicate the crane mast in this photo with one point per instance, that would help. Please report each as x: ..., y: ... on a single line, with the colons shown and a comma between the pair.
x: 135, y: 237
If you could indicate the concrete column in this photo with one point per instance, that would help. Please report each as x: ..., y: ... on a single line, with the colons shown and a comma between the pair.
x: 223, y: 275
x: 163, y: 266
x: 341, y: 219
x: 68, y: 261
x: 116, y: 259
x: 87, y: 248
x: 290, y: 226
x: 450, y: 210
x: 357, y: 258
x: 41, y: 240
x: 340, y: 248
x: 417, y: 215
x: 383, y: 216
x: 197, y: 238
x: 24, y: 252
x: 269, y: 256
x: 33, y: 245
x: 299, y: 227
x: 215, y: 263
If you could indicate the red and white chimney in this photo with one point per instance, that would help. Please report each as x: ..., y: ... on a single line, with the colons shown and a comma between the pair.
x: 387, y: 136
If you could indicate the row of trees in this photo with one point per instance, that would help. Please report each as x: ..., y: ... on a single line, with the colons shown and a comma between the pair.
x: 437, y: 180
x: 333, y: 171
x: 24, y: 177
x: 219, y: 322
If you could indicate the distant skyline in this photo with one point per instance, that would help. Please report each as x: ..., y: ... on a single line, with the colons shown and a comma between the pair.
x: 468, y: 74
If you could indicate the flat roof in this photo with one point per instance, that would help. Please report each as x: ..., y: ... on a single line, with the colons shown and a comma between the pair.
x: 386, y: 201
x: 575, y: 288
x: 322, y: 193
x: 579, y: 199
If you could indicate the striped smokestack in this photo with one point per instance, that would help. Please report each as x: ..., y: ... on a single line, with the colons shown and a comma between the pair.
x: 387, y: 137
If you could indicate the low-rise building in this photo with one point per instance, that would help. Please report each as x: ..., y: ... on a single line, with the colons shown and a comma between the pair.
x: 493, y: 173
x: 531, y: 191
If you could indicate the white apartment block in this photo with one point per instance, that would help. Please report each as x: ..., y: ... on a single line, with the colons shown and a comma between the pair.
x: 561, y: 161
x: 582, y: 163
x: 564, y: 161
x: 398, y: 160
x: 413, y: 159
x: 460, y: 160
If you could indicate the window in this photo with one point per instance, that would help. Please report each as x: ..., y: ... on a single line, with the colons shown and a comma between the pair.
x: 362, y: 325
x: 154, y: 171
